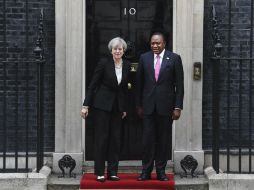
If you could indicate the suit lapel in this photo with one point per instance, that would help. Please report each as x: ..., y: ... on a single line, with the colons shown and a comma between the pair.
x: 112, y: 65
x: 164, y: 63
x: 124, y: 71
x: 151, y: 65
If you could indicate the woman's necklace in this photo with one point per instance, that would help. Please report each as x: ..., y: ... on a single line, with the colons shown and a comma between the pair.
x: 119, y: 65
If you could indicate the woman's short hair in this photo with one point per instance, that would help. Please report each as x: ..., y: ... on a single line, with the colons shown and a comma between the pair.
x: 116, y: 42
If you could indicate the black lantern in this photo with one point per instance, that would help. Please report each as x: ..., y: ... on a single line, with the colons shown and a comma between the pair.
x: 38, y: 51
x: 218, y: 47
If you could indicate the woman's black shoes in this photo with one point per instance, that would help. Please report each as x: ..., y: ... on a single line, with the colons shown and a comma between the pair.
x: 113, y: 178
x: 101, y: 179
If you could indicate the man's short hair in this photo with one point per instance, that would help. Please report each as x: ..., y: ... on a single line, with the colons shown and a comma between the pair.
x: 158, y: 32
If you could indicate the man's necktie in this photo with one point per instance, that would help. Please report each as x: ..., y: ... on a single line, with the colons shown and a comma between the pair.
x: 157, y: 67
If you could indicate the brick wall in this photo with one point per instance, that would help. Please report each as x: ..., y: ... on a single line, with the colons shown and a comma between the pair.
x: 18, y: 80
x: 235, y: 92
x: 19, y: 44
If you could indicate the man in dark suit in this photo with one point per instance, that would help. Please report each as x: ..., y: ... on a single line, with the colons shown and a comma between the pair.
x: 159, y: 97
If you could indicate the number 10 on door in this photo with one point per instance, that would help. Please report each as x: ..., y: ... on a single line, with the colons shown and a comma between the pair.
x: 131, y: 11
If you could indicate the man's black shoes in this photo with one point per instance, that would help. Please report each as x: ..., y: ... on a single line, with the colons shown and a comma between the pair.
x: 113, y: 178
x: 144, y: 176
x: 162, y: 177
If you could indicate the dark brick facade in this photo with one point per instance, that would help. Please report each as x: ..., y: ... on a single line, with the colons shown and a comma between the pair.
x: 17, y: 44
x: 235, y: 86
x: 19, y: 21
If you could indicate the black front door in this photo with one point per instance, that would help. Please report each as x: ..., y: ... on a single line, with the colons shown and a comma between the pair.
x: 133, y: 20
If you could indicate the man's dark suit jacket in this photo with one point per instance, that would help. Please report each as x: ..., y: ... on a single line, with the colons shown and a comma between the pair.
x: 167, y: 93
x: 104, y: 89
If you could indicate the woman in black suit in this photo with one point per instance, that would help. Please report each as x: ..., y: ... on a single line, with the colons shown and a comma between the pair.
x: 107, y: 94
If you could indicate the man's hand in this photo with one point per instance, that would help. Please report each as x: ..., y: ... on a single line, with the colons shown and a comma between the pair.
x: 176, y: 114
x: 140, y: 112
x: 84, y: 112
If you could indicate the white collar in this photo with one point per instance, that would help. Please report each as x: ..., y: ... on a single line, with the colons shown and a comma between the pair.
x: 161, y: 54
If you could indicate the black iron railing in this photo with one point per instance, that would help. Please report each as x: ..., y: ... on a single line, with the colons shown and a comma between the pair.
x: 21, y: 97
x: 18, y: 101
x: 232, y: 86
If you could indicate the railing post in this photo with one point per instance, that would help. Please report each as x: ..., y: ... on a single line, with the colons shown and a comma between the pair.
x: 216, y: 97
x: 215, y: 115
x: 39, y: 56
x: 4, y: 110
